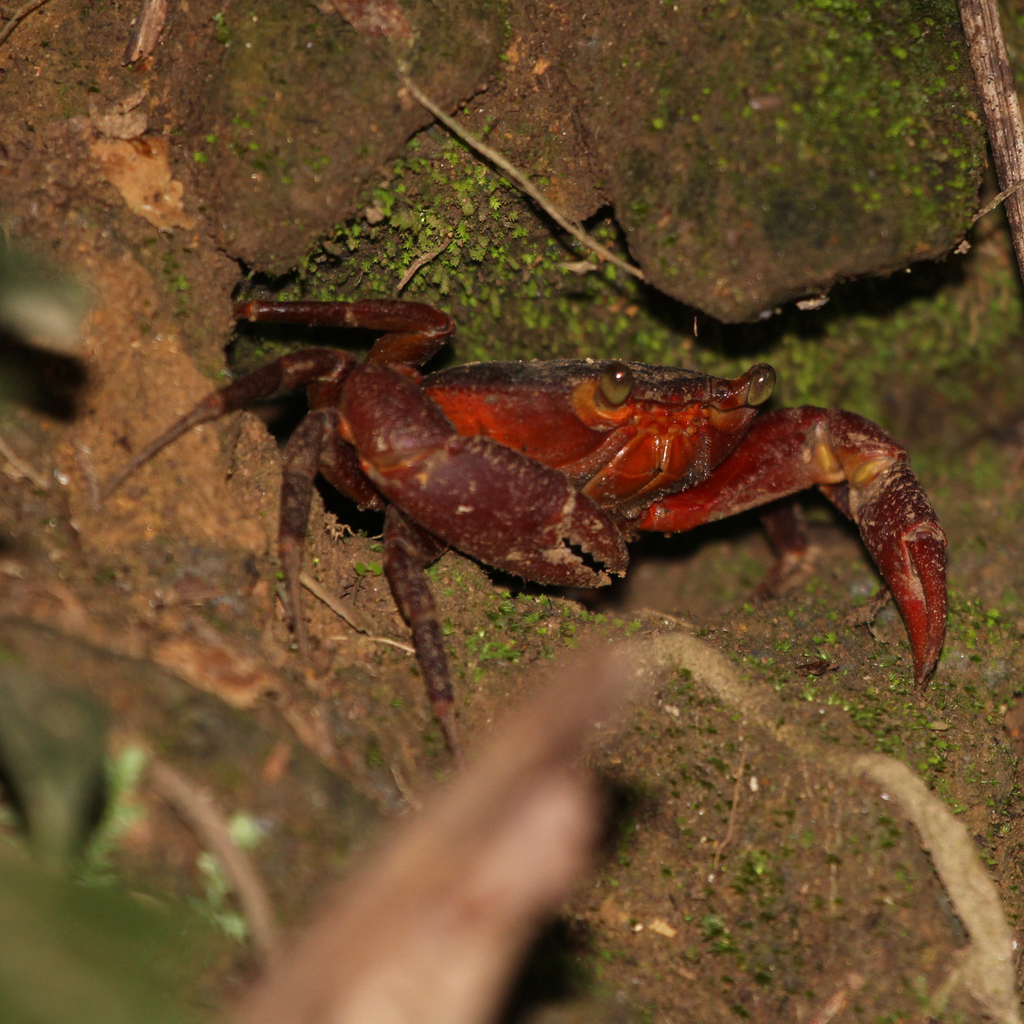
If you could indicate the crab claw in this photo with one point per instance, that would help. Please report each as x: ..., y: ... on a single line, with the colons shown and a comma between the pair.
x: 474, y: 494
x: 509, y: 511
x: 867, y: 476
x: 903, y: 535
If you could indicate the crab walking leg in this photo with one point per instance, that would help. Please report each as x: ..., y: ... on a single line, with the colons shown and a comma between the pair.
x: 292, y: 371
x: 468, y: 493
x: 783, y: 522
x: 339, y: 466
x: 322, y: 369
x: 866, y: 474
x: 300, y: 463
x: 408, y: 550
x: 413, y: 331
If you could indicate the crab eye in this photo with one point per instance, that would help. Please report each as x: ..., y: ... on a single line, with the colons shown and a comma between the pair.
x: 762, y: 384
x: 616, y: 384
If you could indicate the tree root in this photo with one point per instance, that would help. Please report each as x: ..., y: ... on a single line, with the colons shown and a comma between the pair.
x: 985, y: 967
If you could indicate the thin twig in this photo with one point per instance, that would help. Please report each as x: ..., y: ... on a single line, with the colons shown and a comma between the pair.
x: 524, y: 183
x: 199, y: 811
x: 408, y: 648
x: 359, y: 622
x: 22, y: 467
x: 834, y: 1006
x: 991, y: 65
x: 403, y: 787
x: 993, y: 203
x: 420, y: 261
x: 344, y: 610
x: 864, y: 614
x: 838, y: 1002
x: 20, y: 14
x: 83, y: 456
x: 727, y: 838
x: 146, y: 31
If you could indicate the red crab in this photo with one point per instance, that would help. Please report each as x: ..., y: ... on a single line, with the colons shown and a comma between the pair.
x: 546, y: 469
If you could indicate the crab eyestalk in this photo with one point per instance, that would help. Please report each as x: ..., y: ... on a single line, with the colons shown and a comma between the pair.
x: 747, y: 391
x: 733, y: 405
x: 761, y: 384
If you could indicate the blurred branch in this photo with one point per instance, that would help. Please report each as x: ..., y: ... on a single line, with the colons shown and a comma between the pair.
x: 432, y: 927
x: 19, y: 15
x: 199, y: 811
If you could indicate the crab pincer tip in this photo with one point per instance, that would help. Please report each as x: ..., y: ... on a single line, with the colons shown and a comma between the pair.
x: 927, y: 623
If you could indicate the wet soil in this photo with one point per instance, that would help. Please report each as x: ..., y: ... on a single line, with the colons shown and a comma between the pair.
x: 739, y: 880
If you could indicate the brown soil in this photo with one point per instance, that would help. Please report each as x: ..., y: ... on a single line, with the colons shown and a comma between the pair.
x: 741, y: 880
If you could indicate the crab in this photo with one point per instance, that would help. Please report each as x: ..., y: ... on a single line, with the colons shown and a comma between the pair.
x: 547, y: 469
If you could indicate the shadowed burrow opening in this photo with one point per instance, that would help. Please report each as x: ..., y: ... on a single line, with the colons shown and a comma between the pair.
x: 736, y: 549
x: 557, y: 967
x: 555, y: 970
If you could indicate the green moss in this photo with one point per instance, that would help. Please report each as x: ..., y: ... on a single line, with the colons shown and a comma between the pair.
x: 491, y: 263
x: 298, y: 112
x: 807, y: 139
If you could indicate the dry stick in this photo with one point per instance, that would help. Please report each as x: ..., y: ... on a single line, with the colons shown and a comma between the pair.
x: 341, y: 608
x: 397, y: 644
x: 344, y: 610
x: 22, y: 467
x: 146, y: 33
x: 386, y: 640
x: 838, y: 1002
x: 996, y: 200
x: 420, y: 261
x: 403, y: 787
x: 198, y: 810
x: 19, y: 14
x: 1002, y: 111
x: 83, y: 458
x: 725, y: 840
x: 524, y: 183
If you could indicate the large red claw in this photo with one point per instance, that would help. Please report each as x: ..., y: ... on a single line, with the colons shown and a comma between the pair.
x: 474, y: 494
x: 902, y: 532
x: 509, y: 511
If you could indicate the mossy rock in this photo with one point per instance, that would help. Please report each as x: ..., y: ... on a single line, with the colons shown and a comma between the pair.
x: 300, y: 111
x: 753, y: 154
x: 757, y: 152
